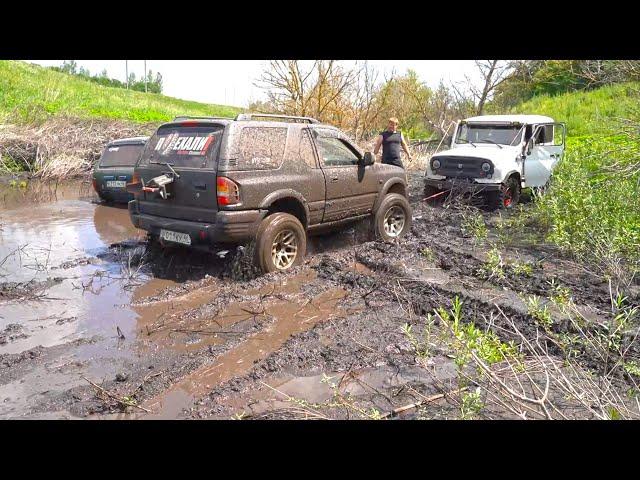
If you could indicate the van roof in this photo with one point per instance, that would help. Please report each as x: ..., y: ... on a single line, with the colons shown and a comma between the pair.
x: 129, y: 141
x: 524, y: 119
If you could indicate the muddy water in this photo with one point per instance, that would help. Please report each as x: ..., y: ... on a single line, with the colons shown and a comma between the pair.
x: 51, y: 241
x: 65, y: 285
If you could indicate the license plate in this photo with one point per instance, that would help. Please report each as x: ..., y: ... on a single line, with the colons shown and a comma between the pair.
x: 116, y: 183
x: 177, y: 237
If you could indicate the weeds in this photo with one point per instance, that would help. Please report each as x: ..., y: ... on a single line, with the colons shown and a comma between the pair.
x: 421, y: 346
x: 473, y: 225
x: 428, y: 254
x: 560, y: 295
x: 539, y: 312
x: 522, y: 269
x: 472, y: 405
x: 494, y: 266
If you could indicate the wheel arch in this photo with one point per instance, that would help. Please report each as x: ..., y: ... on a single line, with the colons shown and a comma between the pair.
x: 287, y: 201
x: 393, y: 185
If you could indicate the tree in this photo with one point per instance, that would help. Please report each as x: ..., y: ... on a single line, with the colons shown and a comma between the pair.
x: 493, y: 73
x: 69, y: 66
x: 317, y: 90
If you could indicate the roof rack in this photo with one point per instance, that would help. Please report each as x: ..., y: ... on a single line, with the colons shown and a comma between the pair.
x: 188, y: 117
x: 251, y: 116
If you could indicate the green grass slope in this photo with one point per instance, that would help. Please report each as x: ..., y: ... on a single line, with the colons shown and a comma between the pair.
x: 587, y: 113
x: 593, y: 206
x: 31, y: 94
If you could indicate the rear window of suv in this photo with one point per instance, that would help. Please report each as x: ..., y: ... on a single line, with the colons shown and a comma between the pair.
x: 120, y: 155
x: 183, y: 146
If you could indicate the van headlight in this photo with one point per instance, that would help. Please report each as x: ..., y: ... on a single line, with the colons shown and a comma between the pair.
x: 435, y: 164
x: 485, y: 167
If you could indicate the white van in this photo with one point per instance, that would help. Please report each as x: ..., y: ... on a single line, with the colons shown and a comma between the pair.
x: 498, y: 155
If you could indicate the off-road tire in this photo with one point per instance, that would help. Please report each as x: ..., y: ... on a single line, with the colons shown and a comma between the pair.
x: 389, y: 213
x: 280, y: 232
x: 507, y: 197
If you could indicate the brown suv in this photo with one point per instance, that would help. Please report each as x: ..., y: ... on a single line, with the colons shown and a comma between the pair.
x: 207, y: 181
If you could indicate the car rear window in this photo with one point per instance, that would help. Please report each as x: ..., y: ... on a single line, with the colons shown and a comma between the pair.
x: 183, y: 146
x: 120, y: 155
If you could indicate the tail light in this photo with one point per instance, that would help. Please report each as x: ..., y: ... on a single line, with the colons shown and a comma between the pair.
x: 228, y: 192
x: 95, y: 185
x: 135, y: 186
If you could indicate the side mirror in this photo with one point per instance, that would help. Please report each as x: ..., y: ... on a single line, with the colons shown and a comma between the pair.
x: 368, y: 159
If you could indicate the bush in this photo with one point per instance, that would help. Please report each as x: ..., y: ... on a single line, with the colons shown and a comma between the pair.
x: 593, y: 205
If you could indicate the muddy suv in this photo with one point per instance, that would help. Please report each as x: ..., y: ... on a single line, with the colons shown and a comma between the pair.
x: 114, y: 169
x: 203, y: 182
x: 498, y: 156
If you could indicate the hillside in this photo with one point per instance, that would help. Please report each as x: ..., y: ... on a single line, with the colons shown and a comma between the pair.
x: 587, y: 112
x: 32, y: 94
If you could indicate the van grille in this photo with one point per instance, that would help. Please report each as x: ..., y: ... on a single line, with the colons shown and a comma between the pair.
x: 462, y: 167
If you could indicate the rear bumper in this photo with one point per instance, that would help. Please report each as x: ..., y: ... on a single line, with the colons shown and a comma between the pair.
x: 463, y: 185
x: 229, y: 227
x: 118, y: 196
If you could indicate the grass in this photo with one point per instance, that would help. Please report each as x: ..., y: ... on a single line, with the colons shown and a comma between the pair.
x: 593, y: 205
x: 592, y: 209
x: 586, y: 113
x: 32, y: 94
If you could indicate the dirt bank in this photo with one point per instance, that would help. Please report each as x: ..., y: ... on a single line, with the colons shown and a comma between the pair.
x: 61, y: 148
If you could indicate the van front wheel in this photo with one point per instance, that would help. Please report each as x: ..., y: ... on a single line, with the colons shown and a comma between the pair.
x: 508, y: 196
x: 281, y: 243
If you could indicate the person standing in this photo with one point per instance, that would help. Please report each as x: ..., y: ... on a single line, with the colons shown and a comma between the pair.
x: 391, y: 140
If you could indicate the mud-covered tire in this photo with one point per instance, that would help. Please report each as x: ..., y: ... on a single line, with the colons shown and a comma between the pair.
x: 507, y: 197
x: 393, y: 218
x: 281, y: 243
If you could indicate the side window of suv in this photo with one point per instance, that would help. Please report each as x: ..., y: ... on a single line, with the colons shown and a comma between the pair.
x: 307, y: 155
x: 335, y: 153
x: 262, y: 147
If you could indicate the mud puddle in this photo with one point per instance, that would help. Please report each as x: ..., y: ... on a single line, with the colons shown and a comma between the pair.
x: 55, y: 289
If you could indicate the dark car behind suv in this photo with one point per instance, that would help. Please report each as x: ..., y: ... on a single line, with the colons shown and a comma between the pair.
x: 203, y: 182
x: 114, y: 169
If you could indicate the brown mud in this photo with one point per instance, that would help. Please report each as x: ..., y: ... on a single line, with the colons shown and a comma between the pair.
x: 96, y: 323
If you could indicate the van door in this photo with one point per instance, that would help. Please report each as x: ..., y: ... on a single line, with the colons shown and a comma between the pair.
x: 190, y: 149
x: 351, y: 188
x: 543, y: 153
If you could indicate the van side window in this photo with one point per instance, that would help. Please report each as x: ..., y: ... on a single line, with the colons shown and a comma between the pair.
x: 545, y: 135
x: 262, y: 148
x: 307, y: 155
x: 335, y: 153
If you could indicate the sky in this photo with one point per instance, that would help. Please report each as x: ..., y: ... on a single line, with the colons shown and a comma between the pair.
x: 232, y: 82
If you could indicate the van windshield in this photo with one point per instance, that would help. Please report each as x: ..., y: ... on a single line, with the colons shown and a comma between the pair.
x: 183, y: 146
x: 485, y: 133
x: 120, y: 155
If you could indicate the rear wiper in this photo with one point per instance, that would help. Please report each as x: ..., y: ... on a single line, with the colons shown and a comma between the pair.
x: 170, y: 165
x: 490, y: 141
